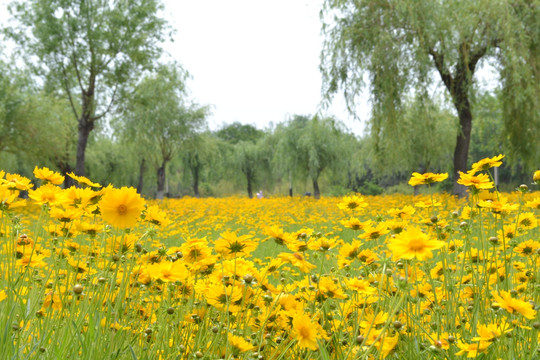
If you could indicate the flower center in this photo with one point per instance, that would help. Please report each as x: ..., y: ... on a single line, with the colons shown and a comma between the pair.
x: 122, y: 209
x: 416, y: 245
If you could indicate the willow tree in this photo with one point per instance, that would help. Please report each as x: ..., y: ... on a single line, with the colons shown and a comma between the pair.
x: 158, y: 120
x: 308, y: 146
x: 89, y: 49
x: 399, y: 47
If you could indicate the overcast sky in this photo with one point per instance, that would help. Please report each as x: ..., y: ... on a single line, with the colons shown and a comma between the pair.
x: 253, y: 61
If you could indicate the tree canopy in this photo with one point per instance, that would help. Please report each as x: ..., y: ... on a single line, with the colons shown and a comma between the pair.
x: 401, y: 47
x: 88, y: 50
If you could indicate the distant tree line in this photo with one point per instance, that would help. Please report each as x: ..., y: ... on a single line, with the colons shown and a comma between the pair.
x: 89, y: 89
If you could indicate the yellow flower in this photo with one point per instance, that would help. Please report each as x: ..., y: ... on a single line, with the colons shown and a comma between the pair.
x: 279, y: 236
x: 527, y: 248
x: 297, y: 260
x: 153, y: 214
x: 16, y: 182
x: 355, y: 224
x: 505, y: 300
x: 536, y: 177
x: 527, y: 221
x: 413, y: 243
x: 238, y: 344
x: 48, y: 194
x: 487, y: 163
x: 230, y: 245
x: 168, y: 271
x: 478, y: 182
x: 352, y: 203
x: 491, y: 332
x: 472, y: 350
x: 427, y: 178
x: 306, y: 332
x: 83, y: 180
x: 374, y: 232
x: 224, y: 298
x: 48, y: 175
x: 121, y: 207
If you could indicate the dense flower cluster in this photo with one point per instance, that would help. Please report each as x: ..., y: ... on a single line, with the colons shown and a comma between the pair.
x: 97, y: 272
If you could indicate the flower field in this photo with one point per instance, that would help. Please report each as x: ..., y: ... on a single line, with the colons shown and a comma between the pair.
x: 94, y: 272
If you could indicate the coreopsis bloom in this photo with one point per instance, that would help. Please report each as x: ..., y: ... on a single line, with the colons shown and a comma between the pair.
x: 355, y: 223
x: 536, y: 177
x: 224, y: 298
x: 440, y: 340
x: 83, y: 180
x: 231, y: 245
x: 121, y: 207
x: 9, y: 199
x: 487, y: 163
x: 297, y: 260
x: 65, y: 215
x: 472, y: 350
x: 534, y: 203
x: 328, y: 288
x: 374, y: 232
x: 413, y: 243
x: 362, y: 287
x: 353, y: 203
x: 52, y: 300
x: 491, y: 332
x: 478, y: 182
x: 48, y: 194
x: 427, y: 178
x: 527, y: 248
x: 239, y: 344
x: 32, y: 260
x: 154, y: 215
x: 279, y: 236
x: 527, y: 221
x: 306, y: 332
x: 505, y: 300
x: 194, y: 250
x: 16, y: 182
x: 168, y: 271
x: 48, y: 176
x: 403, y: 213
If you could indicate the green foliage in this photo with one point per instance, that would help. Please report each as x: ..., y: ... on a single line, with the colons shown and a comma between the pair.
x: 421, y: 141
x: 398, y: 48
x: 157, y: 120
x: 236, y: 132
x: 90, y: 50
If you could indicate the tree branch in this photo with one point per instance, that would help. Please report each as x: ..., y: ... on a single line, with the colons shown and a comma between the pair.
x: 68, y: 91
x: 443, y: 72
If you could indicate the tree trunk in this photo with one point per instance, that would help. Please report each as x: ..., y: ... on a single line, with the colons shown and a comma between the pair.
x: 316, y: 191
x: 196, y: 171
x: 65, y: 168
x: 161, y: 181
x: 141, y: 177
x: 249, y: 186
x: 461, y: 152
x: 85, y: 127
x: 290, y: 185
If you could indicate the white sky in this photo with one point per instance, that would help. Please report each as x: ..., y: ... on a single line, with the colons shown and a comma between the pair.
x: 253, y: 61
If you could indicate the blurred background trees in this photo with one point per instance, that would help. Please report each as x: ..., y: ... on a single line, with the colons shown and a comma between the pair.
x: 113, y: 108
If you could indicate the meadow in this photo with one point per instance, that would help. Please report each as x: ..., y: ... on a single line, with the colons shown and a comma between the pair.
x: 93, y: 272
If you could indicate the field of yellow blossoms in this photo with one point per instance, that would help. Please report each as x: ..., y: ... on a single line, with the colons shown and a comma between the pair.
x: 94, y: 272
